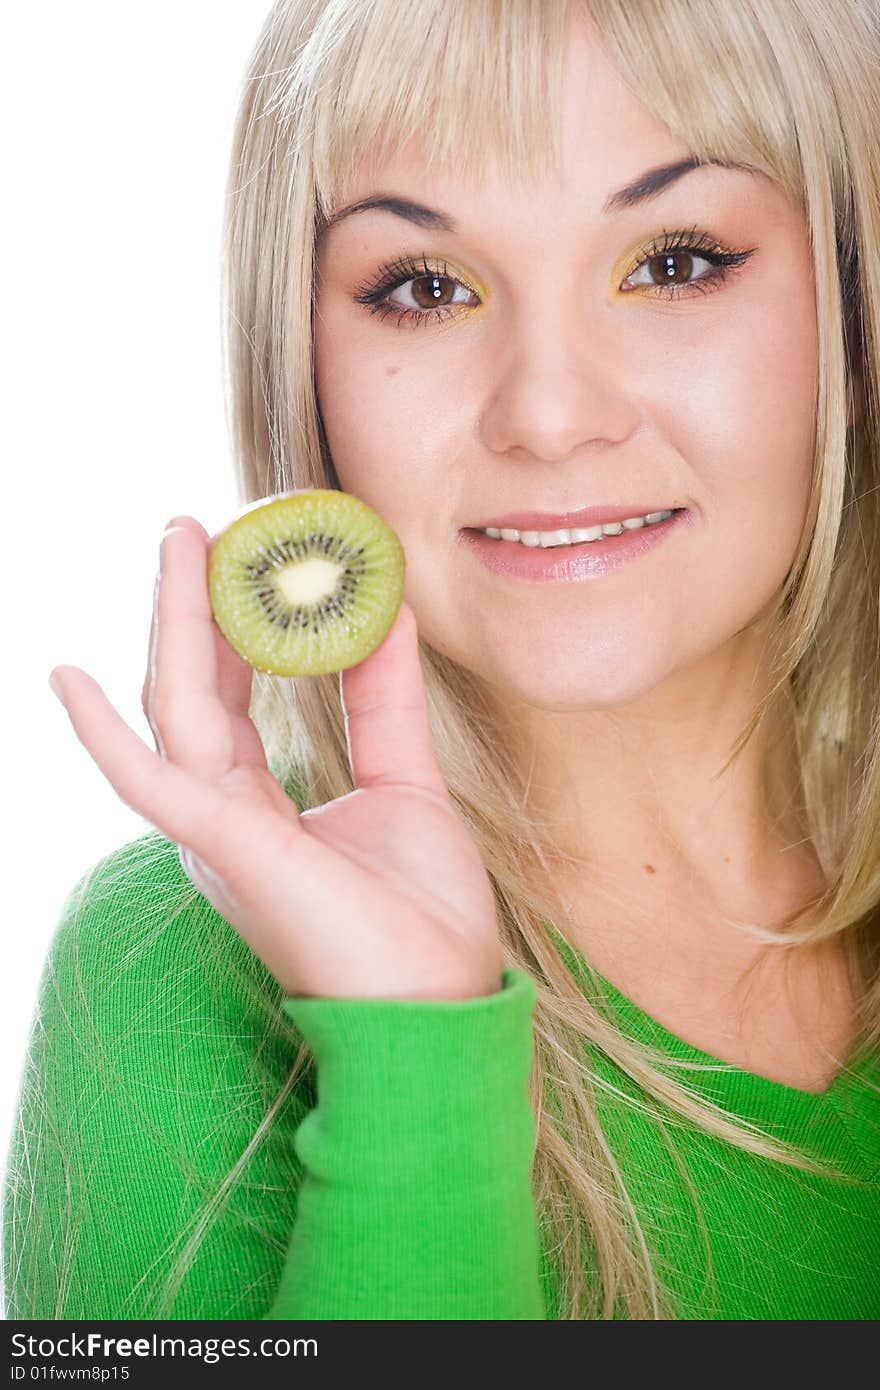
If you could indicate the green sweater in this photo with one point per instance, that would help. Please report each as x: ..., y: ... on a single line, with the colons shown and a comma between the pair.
x: 393, y: 1180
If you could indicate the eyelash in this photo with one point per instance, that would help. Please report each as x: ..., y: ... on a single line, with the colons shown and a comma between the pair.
x: 375, y: 295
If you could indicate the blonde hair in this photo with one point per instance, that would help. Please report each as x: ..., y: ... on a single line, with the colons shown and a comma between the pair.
x: 791, y: 87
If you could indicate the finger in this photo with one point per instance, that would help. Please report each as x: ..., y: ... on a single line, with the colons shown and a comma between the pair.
x: 234, y: 680
x: 151, y: 646
x: 236, y: 829
x: 184, y: 701
x: 386, y: 713
x: 169, y: 797
x: 235, y: 676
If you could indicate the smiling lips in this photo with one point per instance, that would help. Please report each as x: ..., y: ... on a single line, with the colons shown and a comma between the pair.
x: 564, y: 556
x: 604, y: 513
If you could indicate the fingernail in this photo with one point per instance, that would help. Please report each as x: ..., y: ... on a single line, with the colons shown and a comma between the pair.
x: 55, y: 687
x: 175, y: 521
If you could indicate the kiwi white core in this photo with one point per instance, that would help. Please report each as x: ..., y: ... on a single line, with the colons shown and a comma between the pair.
x: 308, y: 581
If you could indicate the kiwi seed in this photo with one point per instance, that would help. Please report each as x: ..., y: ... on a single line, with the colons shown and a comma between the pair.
x: 306, y: 582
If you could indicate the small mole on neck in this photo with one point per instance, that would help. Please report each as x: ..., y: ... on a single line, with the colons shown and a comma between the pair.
x: 649, y: 869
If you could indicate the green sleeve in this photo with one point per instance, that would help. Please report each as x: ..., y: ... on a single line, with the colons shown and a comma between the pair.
x: 416, y: 1200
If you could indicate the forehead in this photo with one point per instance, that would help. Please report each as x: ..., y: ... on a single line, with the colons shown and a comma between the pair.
x: 604, y: 132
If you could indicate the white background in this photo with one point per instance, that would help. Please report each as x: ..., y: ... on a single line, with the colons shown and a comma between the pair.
x: 117, y: 121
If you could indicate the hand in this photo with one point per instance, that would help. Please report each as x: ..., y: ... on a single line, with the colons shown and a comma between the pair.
x: 378, y: 894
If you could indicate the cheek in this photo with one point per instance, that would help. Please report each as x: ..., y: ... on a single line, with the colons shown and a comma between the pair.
x: 346, y: 379
x: 356, y: 396
x: 744, y: 428
x: 389, y: 433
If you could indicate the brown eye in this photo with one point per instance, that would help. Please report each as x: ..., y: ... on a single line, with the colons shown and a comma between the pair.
x: 428, y: 291
x: 416, y: 293
x: 672, y: 268
x: 683, y: 265
x: 432, y: 291
x: 678, y: 269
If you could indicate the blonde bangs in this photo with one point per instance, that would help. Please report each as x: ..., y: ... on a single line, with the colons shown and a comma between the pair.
x: 467, y: 84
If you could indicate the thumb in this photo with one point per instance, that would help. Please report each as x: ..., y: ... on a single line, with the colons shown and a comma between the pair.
x: 386, y: 713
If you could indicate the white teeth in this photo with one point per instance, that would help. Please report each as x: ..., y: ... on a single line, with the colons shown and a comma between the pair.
x: 578, y: 534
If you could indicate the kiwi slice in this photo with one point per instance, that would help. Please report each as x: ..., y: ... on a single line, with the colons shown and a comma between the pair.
x: 305, y: 582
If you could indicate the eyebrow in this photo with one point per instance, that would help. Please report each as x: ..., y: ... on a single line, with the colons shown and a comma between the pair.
x: 646, y: 186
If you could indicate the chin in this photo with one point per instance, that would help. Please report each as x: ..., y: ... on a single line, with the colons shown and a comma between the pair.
x: 582, y: 684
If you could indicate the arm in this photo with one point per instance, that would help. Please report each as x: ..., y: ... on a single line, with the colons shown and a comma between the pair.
x: 416, y: 1200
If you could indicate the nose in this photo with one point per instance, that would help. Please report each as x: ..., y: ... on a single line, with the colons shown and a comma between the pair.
x: 556, y: 387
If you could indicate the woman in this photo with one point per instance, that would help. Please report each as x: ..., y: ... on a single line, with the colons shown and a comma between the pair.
x: 580, y: 930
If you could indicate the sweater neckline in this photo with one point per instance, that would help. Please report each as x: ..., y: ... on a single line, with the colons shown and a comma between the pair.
x: 824, y: 1117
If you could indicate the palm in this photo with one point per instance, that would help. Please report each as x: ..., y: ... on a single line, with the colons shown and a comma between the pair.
x: 407, y: 843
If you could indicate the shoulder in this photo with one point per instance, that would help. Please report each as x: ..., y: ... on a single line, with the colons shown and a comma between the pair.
x: 122, y: 909
x: 143, y: 968
x: 135, y: 936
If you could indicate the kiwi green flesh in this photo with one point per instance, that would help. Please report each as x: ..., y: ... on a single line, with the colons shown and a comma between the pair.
x: 306, y: 583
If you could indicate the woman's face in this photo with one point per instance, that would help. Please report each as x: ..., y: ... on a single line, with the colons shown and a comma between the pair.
x: 559, y: 374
